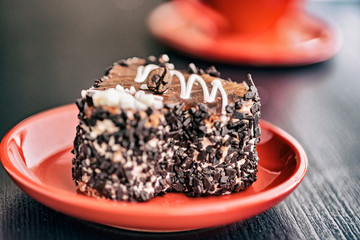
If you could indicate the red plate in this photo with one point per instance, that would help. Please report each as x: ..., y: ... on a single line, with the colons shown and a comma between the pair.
x: 36, y: 155
x: 300, y: 39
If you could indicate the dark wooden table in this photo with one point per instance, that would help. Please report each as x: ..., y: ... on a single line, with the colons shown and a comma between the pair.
x: 50, y: 50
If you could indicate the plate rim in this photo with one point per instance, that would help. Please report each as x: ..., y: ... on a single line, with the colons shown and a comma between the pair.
x: 279, y: 191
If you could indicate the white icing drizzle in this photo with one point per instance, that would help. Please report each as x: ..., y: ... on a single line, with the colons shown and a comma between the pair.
x: 182, y: 81
x: 185, y: 91
x: 143, y: 72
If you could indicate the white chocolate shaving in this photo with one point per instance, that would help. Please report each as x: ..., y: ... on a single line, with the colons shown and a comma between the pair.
x: 144, y: 87
x: 126, y: 98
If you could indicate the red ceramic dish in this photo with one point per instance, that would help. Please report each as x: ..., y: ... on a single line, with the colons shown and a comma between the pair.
x: 36, y: 155
x: 300, y: 40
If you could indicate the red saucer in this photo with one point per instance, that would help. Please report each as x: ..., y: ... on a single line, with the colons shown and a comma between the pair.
x: 299, y: 39
x: 36, y: 155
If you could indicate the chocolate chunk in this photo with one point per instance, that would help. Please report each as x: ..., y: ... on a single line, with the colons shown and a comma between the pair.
x: 216, y: 176
x: 238, y: 104
x: 107, y: 70
x: 171, y: 119
x: 227, y: 159
x: 105, y: 165
x: 224, y: 131
x: 207, y: 183
x: 122, y: 62
x: 179, y: 152
x: 205, y: 115
x: 196, y: 181
x: 228, y: 142
x: 190, y: 151
x: 97, y: 83
x: 253, y: 88
x: 223, y: 179
x: 77, y: 173
x: 187, y: 121
x: 159, y: 80
x: 256, y: 97
x: 249, y: 95
x: 178, y: 109
x: 89, y: 99
x: 202, y: 156
x: 80, y: 104
x: 230, y: 108
x: 192, y: 111
x: 209, y: 149
x: 144, y: 196
x: 99, y: 185
x: 187, y: 163
x: 212, y: 140
x: 233, y: 124
x: 256, y: 118
x: 197, y: 116
x: 149, y: 111
x: 178, y: 187
x: 257, y: 131
x: 219, y: 153
x: 255, y: 108
x: 217, y: 125
x: 238, y: 115
x: 203, y: 129
x: 213, y: 72
x: 230, y: 171
x: 250, y: 80
x: 202, y: 107
x: 197, y: 190
x: 214, y: 161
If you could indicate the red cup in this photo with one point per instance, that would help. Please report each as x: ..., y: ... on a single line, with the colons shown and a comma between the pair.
x: 238, y: 16
x: 259, y: 32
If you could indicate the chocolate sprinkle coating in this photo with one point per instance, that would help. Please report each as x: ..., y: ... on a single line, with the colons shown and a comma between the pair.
x: 135, y: 155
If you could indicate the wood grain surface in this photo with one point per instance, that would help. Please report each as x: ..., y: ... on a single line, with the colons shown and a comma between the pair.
x: 50, y: 50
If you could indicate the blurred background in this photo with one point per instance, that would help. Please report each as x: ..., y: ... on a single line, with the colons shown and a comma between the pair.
x: 51, y: 50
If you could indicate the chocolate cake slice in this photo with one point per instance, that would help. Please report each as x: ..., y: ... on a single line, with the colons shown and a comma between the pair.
x: 146, y: 129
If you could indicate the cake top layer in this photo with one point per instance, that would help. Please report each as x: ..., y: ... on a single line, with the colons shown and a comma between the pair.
x: 155, y: 82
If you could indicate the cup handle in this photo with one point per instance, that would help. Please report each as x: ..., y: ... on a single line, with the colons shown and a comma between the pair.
x: 203, y: 17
